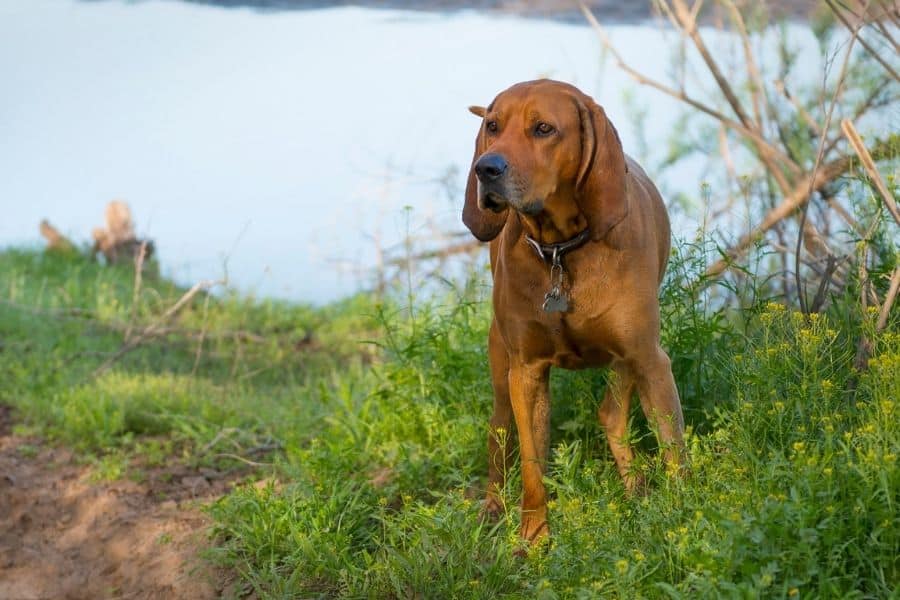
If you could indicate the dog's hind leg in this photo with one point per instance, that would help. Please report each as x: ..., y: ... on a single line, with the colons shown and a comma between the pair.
x: 613, y: 417
x: 659, y: 399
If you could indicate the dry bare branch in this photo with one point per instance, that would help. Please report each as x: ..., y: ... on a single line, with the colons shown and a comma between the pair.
x: 155, y: 328
x: 804, y: 114
x: 795, y: 184
x: 857, y: 144
x: 819, y: 155
x: 846, y: 216
x: 764, y: 147
x: 791, y: 202
x: 871, y: 101
x: 888, y: 300
x: 466, y: 247
x: 55, y: 239
x: 860, y: 21
x: 688, y: 24
x: 136, y: 293
x: 864, y: 348
x: 756, y: 82
x: 889, y: 38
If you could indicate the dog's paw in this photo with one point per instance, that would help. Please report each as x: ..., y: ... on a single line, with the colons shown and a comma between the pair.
x: 535, y: 536
x: 534, y: 528
x: 491, y: 510
x: 636, y: 485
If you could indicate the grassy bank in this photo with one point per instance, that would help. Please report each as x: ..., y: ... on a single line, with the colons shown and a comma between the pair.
x: 370, y: 423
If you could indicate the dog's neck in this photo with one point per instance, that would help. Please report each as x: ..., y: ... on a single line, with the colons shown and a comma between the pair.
x: 553, y: 227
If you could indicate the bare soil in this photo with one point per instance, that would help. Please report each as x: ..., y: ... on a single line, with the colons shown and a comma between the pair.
x: 64, y: 537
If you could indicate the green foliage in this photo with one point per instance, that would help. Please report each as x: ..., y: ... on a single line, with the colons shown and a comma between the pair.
x: 765, y: 511
x: 793, y: 483
x: 229, y: 369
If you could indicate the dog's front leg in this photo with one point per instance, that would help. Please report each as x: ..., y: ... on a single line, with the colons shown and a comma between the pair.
x: 529, y: 393
x: 500, y: 437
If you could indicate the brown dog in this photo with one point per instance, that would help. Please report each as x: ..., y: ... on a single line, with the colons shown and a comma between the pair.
x: 579, y: 243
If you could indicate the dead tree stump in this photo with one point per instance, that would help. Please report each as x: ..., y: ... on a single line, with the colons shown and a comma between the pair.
x: 56, y: 241
x: 117, y: 242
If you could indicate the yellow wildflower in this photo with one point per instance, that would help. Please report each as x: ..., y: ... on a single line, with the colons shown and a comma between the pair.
x: 774, y: 307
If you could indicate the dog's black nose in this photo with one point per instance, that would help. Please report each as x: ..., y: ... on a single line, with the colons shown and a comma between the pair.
x: 490, y: 167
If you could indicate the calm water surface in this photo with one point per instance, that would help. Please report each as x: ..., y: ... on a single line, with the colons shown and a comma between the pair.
x: 283, y: 144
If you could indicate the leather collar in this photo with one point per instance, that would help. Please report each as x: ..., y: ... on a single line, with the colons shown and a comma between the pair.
x: 553, y: 253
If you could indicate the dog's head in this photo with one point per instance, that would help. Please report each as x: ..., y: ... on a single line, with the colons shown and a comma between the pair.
x: 543, y: 144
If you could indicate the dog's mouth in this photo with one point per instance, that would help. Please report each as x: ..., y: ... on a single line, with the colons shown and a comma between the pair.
x: 531, y: 208
x: 494, y: 201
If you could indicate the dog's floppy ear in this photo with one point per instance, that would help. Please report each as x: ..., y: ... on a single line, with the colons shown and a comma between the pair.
x: 600, y: 189
x: 484, y: 224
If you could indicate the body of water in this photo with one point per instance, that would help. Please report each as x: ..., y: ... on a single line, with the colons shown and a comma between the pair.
x: 285, y: 144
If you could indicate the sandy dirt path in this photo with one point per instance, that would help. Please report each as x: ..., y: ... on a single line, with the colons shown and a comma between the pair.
x: 64, y: 537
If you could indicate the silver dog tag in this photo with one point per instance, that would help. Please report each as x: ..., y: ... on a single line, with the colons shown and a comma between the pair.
x: 555, y: 301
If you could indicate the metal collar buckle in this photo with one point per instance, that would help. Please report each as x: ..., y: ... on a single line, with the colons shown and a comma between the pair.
x: 557, y: 299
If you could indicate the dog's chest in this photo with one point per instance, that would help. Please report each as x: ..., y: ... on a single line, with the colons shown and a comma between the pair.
x: 572, y: 339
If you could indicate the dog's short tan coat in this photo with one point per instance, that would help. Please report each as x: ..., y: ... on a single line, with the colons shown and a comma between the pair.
x: 565, y: 171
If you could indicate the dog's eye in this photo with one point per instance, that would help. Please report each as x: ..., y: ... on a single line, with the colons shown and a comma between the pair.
x: 543, y: 129
x: 491, y: 126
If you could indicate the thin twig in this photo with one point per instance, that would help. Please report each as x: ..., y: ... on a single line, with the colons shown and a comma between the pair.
x: 801, y: 290
x: 864, y: 346
x: 156, y: 327
x: 765, y: 148
x: 886, y: 34
x: 804, y: 114
x: 757, y: 87
x: 202, y: 339
x: 888, y: 300
x: 689, y: 27
x: 869, y: 164
x: 871, y: 101
x: 443, y: 252
x: 136, y: 294
x: 842, y: 212
x: 872, y: 52
x: 228, y: 431
x: 819, y: 299
x: 791, y: 202
x: 867, y: 292
x: 247, y: 461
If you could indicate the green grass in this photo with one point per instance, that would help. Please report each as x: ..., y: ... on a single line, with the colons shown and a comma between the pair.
x: 381, y: 425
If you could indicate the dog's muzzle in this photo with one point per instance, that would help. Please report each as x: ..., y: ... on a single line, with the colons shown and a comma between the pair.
x: 491, y: 170
x: 498, y: 187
